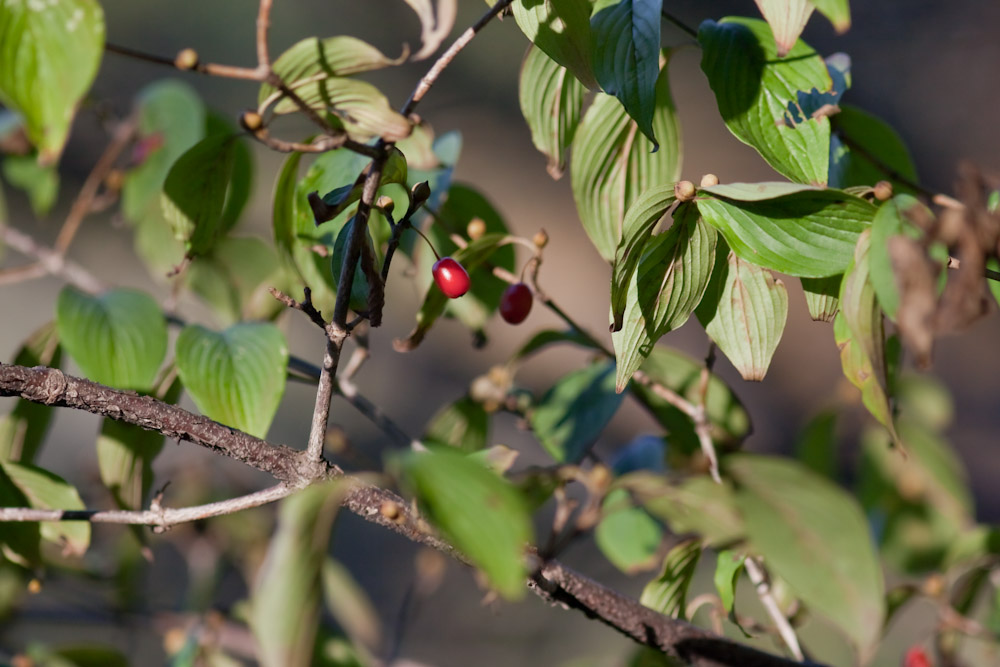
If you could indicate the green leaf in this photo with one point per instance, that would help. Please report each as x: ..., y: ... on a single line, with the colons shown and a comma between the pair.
x: 572, y: 414
x: 814, y: 536
x: 728, y: 420
x: 744, y: 312
x: 612, y: 165
x: 626, y: 57
x: 837, y: 11
x: 171, y: 119
x: 233, y: 279
x: 360, y: 106
x: 285, y: 602
x: 561, y: 29
x: 822, y: 296
x: 40, y: 183
x: 49, y: 55
x: 627, y: 535
x: 482, y: 515
x: 359, y: 286
x: 787, y: 19
x: 694, y: 505
x: 464, y: 424
x: 45, y: 490
x: 19, y: 542
x: 670, y: 282
x: 858, y: 137
x: 547, y: 337
x: 350, y: 606
x: 87, y: 655
x: 668, y: 592
x: 236, y: 376
x: 637, y: 228
x: 760, y: 95
x: 194, y: 192
x: 551, y: 102
x: 393, y: 171
x: 117, y: 338
x: 892, y: 219
x: 810, y: 233
x: 241, y: 184
x: 858, y: 331
x: 816, y: 446
x: 23, y: 429
x: 728, y: 566
x: 312, y: 58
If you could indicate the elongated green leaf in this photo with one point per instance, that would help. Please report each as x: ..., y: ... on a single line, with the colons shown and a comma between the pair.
x: 892, y: 219
x: 23, y: 429
x: 667, y: 593
x: 561, y: 29
x: 49, y: 55
x: 464, y: 424
x: 360, y: 106
x: 45, y: 490
x: 314, y: 58
x: 865, y: 149
x: 859, y: 333
x: 481, y: 514
x: 194, y: 192
x: 822, y: 297
x: 236, y: 376
x: 171, y: 119
x: 728, y: 566
x: 118, y: 338
x: 39, y: 182
x: 813, y: 535
x: 551, y: 102
x: 626, y: 57
x: 838, y: 11
x: 611, y: 164
x: 359, y: 286
x: 755, y: 192
x: 670, y: 282
x: 760, y: 95
x: 637, y: 228
x: 745, y: 316
x: 810, y: 233
x: 285, y: 602
x: 547, y: 337
x: 241, y: 185
x: 19, y: 542
x: 627, y: 535
x: 572, y: 414
x: 694, y: 505
x: 787, y: 19
x: 675, y: 370
x: 350, y: 605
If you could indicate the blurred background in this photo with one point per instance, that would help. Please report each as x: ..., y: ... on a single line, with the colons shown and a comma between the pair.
x: 928, y: 68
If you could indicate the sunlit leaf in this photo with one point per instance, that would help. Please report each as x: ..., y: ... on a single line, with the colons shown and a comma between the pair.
x: 667, y: 593
x: 728, y: 566
x: 838, y: 11
x: 434, y: 26
x: 561, y: 29
x: 551, y: 100
x: 464, y: 424
x: 627, y: 535
x: 822, y: 297
x: 23, y: 429
x: 40, y: 183
x: 46, y: 490
x: 787, y: 18
x: 350, y: 605
x: 233, y: 279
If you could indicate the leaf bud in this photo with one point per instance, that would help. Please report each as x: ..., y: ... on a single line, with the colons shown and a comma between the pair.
x: 882, y: 190
x: 251, y: 121
x: 541, y: 239
x: 476, y: 228
x: 685, y: 191
x: 386, y: 203
x: 708, y: 180
x: 187, y: 59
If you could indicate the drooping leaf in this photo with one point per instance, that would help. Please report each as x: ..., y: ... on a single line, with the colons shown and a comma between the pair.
x: 561, y: 29
x: 744, y: 312
x: 49, y: 55
x: 360, y: 106
x: 810, y: 233
x: 350, y: 605
x: 627, y: 535
x: 481, y: 514
x: 314, y: 58
x: 434, y: 25
x: 694, y: 505
x: 760, y: 94
x: 551, y: 102
x: 285, y: 602
x: 670, y: 282
x: 45, y: 490
x: 23, y: 429
x: 194, y: 192
x: 667, y: 593
x: 359, y: 286
x: 727, y: 418
x: 803, y: 525
x: 39, y: 182
x: 822, y: 297
x: 571, y: 415
x: 464, y: 424
x: 19, y: 541
x: 547, y: 337
x: 626, y: 38
x: 612, y: 164
x: 892, y: 219
x: 837, y: 11
x: 787, y: 19
x: 728, y: 566
x: 118, y: 338
x: 236, y: 376
x: 865, y: 149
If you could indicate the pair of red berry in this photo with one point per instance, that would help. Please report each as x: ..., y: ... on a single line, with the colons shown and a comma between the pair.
x: 452, y: 278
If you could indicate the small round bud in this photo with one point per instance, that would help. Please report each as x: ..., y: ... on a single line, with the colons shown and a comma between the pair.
x: 708, y: 180
x: 390, y: 510
x: 933, y: 586
x: 251, y: 121
x: 476, y: 228
x: 882, y: 190
x: 685, y: 191
x: 34, y: 586
x: 386, y: 204
x: 420, y: 193
x: 600, y: 477
x: 541, y: 239
x: 186, y: 59
x: 114, y: 180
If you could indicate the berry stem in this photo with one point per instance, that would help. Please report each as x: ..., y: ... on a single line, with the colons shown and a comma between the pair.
x: 424, y: 237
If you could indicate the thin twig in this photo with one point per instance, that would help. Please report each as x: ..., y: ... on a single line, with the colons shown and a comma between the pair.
x: 49, y: 263
x: 211, y: 69
x: 702, y: 427
x: 763, y: 587
x: 680, y: 24
x: 263, y: 24
x: 324, y: 392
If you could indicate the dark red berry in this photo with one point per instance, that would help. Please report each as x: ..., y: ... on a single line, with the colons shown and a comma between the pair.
x: 515, y: 304
x: 916, y: 657
x: 451, y: 277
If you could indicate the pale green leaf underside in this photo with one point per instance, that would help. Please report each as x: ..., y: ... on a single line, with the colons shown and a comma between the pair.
x: 551, y: 100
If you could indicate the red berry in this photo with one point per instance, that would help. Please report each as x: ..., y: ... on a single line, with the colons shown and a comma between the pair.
x: 916, y: 657
x: 515, y: 304
x: 451, y: 277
